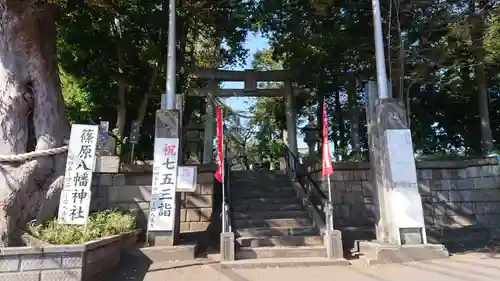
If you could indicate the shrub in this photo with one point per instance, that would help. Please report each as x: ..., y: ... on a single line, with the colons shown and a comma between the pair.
x: 100, y: 224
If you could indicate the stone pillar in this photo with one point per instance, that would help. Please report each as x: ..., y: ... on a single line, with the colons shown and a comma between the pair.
x: 167, y: 125
x: 291, y: 122
x: 400, y: 226
x: 208, y: 137
x: 399, y: 212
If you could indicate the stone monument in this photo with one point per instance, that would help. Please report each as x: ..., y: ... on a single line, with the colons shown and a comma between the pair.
x: 400, y: 227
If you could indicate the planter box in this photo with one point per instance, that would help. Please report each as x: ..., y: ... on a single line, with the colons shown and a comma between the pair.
x: 80, y: 262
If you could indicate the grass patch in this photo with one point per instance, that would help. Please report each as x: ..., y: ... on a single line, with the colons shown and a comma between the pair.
x: 101, y: 224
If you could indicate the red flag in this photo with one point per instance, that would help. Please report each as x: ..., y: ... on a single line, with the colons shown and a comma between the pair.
x: 219, y: 174
x: 327, y: 168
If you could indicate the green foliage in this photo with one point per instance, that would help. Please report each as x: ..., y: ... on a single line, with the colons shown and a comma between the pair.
x: 76, y: 99
x: 100, y: 224
x: 326, y: 43
x: 329, y: 42
x: 116, y: 50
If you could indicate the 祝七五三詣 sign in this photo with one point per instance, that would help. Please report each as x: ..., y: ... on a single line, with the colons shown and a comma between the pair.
x: 76, y: 194
x: 162, y: 205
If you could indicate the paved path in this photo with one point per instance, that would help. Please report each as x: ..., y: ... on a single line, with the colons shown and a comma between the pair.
x: 469, y: 267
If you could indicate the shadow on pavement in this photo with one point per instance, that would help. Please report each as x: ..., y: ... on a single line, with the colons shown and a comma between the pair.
x: 133, y: 266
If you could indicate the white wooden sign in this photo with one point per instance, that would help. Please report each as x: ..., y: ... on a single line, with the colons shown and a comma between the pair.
x: 165, y: 166
x: 76, y: 194
x: 187, y: 179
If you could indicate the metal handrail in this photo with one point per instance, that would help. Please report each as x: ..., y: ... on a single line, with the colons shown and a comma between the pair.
x: 226, y: 194
x: 305, y: 172
x: 299, y: 173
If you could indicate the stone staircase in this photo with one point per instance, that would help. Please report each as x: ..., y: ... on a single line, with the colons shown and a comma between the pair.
x: 270, y: 222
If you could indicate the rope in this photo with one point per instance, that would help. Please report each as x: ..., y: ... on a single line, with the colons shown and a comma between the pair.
x: 33, y: 154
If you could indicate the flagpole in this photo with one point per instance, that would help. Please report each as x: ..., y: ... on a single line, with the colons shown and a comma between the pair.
x: 383, y: 91
x: 171, y: 59
x: 224, y: 205
x: 327, y: 169
x: 330, y: 196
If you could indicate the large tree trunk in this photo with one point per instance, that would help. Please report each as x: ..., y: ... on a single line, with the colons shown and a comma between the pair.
x: 319, y: 118
x: 31, y: 98
x: 143, y: 108
x: 397, y: 61
x: 354, y: 117
x: 477, y: 26
x: 341, y: 142
x: 121, y: 107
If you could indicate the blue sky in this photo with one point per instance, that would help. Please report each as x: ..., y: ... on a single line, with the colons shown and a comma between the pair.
x: 254, y: 43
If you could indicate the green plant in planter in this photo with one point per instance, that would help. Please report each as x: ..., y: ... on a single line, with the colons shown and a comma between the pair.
x: 100, y: 224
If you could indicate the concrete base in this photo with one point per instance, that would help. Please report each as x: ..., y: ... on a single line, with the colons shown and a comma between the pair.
x: 332, y: 239
x: 161, y: 238
x: 227, y: 246
x: 283, y: 262
x: 374, y: 252
x: 169, y: 253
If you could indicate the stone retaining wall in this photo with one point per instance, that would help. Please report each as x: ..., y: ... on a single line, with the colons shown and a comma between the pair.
x: 81, y: 262
x: 458, y: 194
x: 132, y: 191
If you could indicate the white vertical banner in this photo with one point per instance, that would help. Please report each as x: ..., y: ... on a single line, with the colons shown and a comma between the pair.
x: 76, y: 194
x: 165, y: 166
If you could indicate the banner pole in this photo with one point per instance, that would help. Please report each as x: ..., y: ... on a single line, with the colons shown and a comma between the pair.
x: 327, y: 170
x: 224, y: 215
x: 330, y: 196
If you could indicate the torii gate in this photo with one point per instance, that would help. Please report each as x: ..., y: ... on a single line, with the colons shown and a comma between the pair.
x: 250, y: 77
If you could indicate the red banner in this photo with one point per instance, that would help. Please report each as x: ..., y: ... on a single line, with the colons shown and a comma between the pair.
x: 327, y: 168
x: 219, y: 174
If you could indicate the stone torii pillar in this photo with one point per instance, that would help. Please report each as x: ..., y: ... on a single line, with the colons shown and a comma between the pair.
x: 291, y: 122
x: 208, y: 137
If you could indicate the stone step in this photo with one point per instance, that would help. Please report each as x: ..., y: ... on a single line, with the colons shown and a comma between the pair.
x: 259, y: 195
x: 259, y: 214
x: 290, y: 222
x: 166, y: 253
x: 258, y: 203
x: 249, y: 174
x: 281, y: 180
x: 261, y: 182
x: 276, y: 231
x: 266, y: 207
x: 283, y: 262
x: 280, y: 252
x: 261, y: 185
x: 271, y: 241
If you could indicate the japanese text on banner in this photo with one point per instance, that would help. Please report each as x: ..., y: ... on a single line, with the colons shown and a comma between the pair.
x: 161, y: 216
x: 76, y: 194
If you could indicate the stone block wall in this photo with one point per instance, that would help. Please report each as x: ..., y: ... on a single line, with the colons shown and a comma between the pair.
x: 32, y: 264
x: 461, y: 194
x: 80, y: 262
x: 132, y: 191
